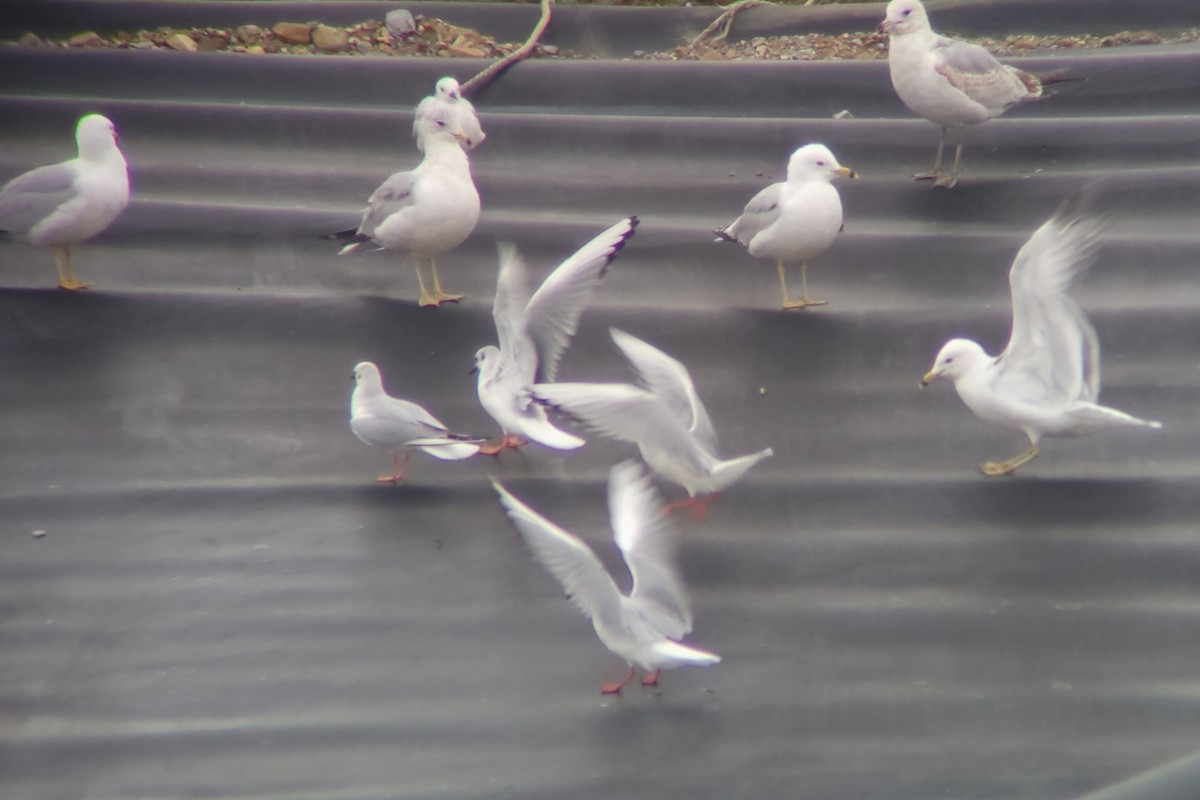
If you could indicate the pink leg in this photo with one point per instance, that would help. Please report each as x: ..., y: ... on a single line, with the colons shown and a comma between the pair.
x: 398, y: 470
x: 615, y: 687
x: 652, y: 678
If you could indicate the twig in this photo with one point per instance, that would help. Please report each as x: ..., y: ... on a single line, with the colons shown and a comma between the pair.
x: 721, y: 25
x: 489, y: 74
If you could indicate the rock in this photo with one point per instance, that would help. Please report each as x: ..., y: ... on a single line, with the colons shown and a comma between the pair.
x: 248, y: 33
x: 88, y: 39
x: 549, y: 50
x: 293, y: 32
x: 400, y: 22
x: 210, y: 43
x: 332, y: 40
x: 256, y: 49
x: 31, y: 39
x: 465, y: 49
x: 362, y: 46
x: 183, y: 42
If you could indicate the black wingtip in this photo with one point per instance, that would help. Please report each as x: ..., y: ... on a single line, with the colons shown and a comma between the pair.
x: 345, y: 233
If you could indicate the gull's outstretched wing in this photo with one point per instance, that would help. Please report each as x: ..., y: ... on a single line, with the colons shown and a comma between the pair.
x: 644, y: 535
x: 759, y: 214
x: 508, y: 309
x: 1053, y: 354
x: 567, y: 558
x: 552, y: 314
x: 669, y: 381
x: 616, y: 410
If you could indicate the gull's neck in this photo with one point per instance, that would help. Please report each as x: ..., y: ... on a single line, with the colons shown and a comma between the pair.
x: 446, y: 150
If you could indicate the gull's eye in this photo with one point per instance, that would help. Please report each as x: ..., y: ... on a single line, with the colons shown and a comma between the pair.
x: 907, y: 11
x: 820, y: 163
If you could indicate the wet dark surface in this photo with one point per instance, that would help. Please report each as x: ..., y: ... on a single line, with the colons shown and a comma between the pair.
x: 223, y: 604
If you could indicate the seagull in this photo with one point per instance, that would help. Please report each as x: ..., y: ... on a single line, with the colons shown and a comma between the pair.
x: 68, y: 203
x: 645, y: 626
x: 664, y: 417
x: 447, y: 92
x: 1047, y: 380
x: 428, y: 210
x: 534, y: 332
x: 795, y: 220
x: 950, y: 83
x: 377, y: 418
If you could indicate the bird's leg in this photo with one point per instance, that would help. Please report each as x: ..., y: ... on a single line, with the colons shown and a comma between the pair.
x: 651, y: 679
x: 936, y: 172
x: 995, y: 469
x: 697, y: 505
x: 426, y: 298
x: 951, y: 180
x: 508, y: 441
x: 616, y: 686
x: 398, y: 470
x: 803, y: 302
x: 66, y: 269
x: 439, y: 296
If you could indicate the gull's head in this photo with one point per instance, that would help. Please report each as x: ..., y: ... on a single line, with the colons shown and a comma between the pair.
x: 438, y: 122
x: 955, y: 359
x: 95, y: 136
x: 447, y: 89
x: 486, y: 359
x: 816, y: 162
x: 366, y: 375
x: 904, y: 16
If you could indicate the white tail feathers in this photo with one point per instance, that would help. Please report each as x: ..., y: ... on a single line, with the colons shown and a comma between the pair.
x: 1098, y: 417
x: 727, y: 473
x: 448, y: 451
x: 678, y: 653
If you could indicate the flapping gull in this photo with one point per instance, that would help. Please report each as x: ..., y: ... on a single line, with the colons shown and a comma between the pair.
x: 1047, y: 380
x: 379, y: 419
x: 534, y: 332
x: 795, y: 220
x: 428, y: 210
x: 645, y: 626
x: 950, y: 83
x: 68, y: 203
x: 664, y: 417
x: 448, y: 93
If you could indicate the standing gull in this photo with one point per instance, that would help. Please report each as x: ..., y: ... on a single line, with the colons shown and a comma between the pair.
x: 68, y: 203
x: 534, y: 332
x: 448, y: 93
x: 645, y: 626
x: 950, y: 83
x: 377, y: 418
x: 795, y: 220
x: 1047, y: 380
x: 664, y: 417
x: 428, y: 210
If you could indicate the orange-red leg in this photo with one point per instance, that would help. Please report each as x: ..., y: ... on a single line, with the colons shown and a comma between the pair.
x: 697, y: 505
x: 398, y: 470
x: 616, y: 686
x: 508, y: 441
x: 651, y: 679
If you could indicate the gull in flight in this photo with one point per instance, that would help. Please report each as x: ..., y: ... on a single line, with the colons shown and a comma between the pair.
x: 429, y: 210
x: 533, y: 332
x: 664, y: 417
x: 68, y: 203
x: 377, y: 418
x: 795, y: 220
x: 447, y: 92
x: 645, y: 626
x: 1046, y: 382
x: 950, y: 83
